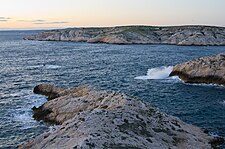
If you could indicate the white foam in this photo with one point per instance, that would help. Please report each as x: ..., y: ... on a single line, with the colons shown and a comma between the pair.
x: 23, y: 115
x: 16, y: 94
x: 157, y: 73
x: 37, y: 66
x: 205, y: 85
x: 52, y: 66
x: 223, y: 103
x: 45, y: 66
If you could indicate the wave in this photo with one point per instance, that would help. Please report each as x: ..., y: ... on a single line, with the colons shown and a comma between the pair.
x: 157, y: 73
x: 45, y: 66
x: 205, y: 85
x: 223, y: 102
x: 23, y: 115
x: 52, y: 66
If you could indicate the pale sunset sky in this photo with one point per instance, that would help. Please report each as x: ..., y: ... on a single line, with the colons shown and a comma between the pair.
x: 27, y: 14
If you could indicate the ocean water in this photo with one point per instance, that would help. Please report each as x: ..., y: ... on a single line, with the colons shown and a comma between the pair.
x: 137, y: 70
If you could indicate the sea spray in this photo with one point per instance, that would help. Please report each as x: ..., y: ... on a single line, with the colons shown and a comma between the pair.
x: 157, y: 73
x: 23, y: 115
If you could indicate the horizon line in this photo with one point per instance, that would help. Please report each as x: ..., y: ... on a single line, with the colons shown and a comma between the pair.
x: 99, y: 26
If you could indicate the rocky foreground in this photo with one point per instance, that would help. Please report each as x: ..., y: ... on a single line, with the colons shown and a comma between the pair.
x: 210, y: 70
x: 102, y: 120
x: 175, y: 35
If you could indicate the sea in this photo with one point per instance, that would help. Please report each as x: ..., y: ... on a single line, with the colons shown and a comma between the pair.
x: 140, y: 71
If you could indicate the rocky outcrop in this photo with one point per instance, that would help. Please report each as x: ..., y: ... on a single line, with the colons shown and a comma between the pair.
x: 210, y: 70
x: 48, y: 90
x: 98, y: 119
x: 176, y: 35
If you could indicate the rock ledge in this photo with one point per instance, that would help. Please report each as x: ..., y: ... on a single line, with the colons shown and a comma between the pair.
x: 210, y: 70
x: 98, y: 119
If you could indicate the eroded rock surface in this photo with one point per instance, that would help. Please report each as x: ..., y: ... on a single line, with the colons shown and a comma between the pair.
x: 176, y: 35
x: 210, y: 70
x: 48, y: 90
x: 102, y: 120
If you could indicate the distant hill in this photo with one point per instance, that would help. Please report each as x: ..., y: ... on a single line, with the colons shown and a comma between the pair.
x: 175, y: 35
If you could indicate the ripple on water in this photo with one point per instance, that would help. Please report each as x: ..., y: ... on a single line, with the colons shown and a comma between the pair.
x: 44, y: 66
x: 24, y: 64
x: 223, y: 102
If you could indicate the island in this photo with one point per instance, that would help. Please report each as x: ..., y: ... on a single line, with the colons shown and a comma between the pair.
x: 209, y: 70
x: 86, y: 118
x: 171, y: 35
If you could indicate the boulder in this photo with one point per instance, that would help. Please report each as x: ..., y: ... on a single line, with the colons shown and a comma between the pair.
x: 209, y: 70
x: 48, y: 90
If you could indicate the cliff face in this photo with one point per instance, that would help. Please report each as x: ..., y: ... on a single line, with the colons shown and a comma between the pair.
x: 209, y: 69
x: 99, y: 119
x: 177, y: 35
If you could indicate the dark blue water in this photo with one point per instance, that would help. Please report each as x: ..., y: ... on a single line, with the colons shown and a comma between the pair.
x: 24, y: 64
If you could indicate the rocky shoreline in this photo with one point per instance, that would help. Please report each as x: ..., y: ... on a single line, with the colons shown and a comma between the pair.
x: 173, y: 35
x: 98, y: 119
x: 209, y: 70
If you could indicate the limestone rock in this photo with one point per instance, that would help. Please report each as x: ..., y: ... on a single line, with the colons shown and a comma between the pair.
x: 210, y: 70
x: 99, y: 119
x: 177, y: 35
x: 48, y: 90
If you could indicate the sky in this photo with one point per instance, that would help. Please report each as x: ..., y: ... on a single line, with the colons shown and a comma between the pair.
x: 29, y: 14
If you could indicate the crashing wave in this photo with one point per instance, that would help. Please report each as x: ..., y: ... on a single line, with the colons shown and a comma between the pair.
x: 157, y: 73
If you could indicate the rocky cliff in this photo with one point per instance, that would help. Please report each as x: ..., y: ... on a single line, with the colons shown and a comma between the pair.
x: 176, y: 35
x: 210, y: 70
x: 98, y: 119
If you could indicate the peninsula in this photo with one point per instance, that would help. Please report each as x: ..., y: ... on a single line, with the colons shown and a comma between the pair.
x: 88, y: 119
x: 173, y: 35
x: 209, y: 70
